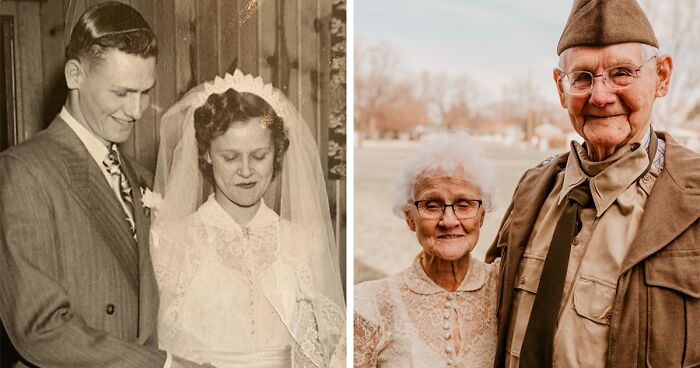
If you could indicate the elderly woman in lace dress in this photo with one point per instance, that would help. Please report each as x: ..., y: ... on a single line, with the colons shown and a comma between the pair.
x: 440, y: 311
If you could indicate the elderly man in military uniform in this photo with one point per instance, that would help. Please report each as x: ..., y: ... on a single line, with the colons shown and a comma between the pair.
x: 600, y: 247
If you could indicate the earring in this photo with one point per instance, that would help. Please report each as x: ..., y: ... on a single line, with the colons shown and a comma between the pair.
x: 208, y: 158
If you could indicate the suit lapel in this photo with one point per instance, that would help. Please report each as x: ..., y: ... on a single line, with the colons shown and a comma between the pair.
x: 529, y: 197
x: 94, y: 194
x: 148, y: 291
x: 530, y: 194
x: 672, y: 205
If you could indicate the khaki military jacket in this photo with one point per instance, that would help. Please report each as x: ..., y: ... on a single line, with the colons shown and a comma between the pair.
x: 656, y: 315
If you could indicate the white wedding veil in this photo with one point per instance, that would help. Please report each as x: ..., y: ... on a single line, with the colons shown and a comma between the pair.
x: 297, y: 194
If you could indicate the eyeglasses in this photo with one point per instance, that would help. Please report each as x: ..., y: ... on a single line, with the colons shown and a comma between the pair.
x: 581, y: 82
x: 463, y: 209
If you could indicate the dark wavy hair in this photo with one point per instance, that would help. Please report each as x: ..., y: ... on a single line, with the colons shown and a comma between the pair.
x: 221, y: 110
x: 111, y: 25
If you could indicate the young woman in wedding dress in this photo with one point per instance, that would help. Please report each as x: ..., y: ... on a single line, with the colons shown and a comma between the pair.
x: 248, y: 277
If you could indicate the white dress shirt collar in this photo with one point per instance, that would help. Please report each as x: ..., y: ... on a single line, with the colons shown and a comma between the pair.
x: 97, y: 149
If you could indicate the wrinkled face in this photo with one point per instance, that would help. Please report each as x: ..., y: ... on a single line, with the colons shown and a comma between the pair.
x: 113, y: 94
x: 448, y: 237
x: 608, y: 119
x: 242, y: 161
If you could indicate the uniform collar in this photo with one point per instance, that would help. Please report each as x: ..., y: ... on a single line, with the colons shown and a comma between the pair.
x: 608, y: 178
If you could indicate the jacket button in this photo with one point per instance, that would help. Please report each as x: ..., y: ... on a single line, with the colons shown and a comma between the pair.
x: 522, y: 280
x: 608, y: 314
x: 110, y: 309
x: 576, y: 241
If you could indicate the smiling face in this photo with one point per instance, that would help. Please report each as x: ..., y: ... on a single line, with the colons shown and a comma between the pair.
x: 110, y: 95
x: 608, y: 119
x: 242, y: 162
x: 448, y: 237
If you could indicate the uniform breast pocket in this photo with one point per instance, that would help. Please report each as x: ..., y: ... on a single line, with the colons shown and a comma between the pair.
x: 593, y: 299
x: 673, y: 289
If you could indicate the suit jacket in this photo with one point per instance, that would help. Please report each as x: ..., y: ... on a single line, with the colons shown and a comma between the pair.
x: 77, y: 289
x: 656, y: 313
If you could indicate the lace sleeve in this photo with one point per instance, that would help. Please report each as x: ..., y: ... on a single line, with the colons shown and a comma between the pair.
x: 366, y: 326
x: 319, y: 326
x: 366, y: 340
x: 338, y: 357
x: 176, y: 258
x: 157, y: 244
x: 164, y: 252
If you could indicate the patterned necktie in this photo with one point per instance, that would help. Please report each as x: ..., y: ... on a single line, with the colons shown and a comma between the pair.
x: 538, y: 343
x: 120, y: 185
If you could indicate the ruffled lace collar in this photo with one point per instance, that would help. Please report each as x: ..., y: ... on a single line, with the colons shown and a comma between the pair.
x: 216, y: 216
x: 418, y: 281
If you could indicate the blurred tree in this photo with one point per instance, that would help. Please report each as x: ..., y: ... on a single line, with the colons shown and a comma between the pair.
x: 450, y: 100
x: 522, y: 104
x: 374, y: 65
x: 677, y: 27
x: 385, y: 101
x: 405, y: 110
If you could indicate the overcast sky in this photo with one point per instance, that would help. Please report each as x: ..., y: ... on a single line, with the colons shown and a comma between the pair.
x: 493, y: 41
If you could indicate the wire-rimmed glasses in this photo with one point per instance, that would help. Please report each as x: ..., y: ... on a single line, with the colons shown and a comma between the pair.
x: 580, y: 82
x: 434, y: 209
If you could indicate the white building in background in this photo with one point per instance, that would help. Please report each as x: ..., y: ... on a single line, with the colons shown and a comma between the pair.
x: 547, y: 133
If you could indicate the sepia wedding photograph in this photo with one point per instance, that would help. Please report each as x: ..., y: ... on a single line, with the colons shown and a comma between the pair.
x: 173, y: 183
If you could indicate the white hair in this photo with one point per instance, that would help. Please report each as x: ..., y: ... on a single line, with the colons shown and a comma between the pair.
x: 647, y: 52
x: 446, y: 152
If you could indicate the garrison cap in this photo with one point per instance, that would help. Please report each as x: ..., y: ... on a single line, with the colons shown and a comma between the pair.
x: 606, y: 22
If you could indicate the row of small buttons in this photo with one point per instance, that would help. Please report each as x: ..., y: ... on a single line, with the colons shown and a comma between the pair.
x: 449, y: 349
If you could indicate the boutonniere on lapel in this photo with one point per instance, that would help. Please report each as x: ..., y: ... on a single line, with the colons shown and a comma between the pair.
x: 150, y: 200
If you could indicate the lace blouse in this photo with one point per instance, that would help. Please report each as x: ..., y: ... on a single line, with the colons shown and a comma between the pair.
x: 230, y: 298
x: 407, y: 320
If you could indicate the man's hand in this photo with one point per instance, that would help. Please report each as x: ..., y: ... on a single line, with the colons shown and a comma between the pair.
x: 182, y: 363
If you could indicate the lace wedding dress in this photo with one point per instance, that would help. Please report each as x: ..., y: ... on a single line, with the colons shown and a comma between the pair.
x: 408, y: 321
x: 267, y: 294
x: 233, y: 299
